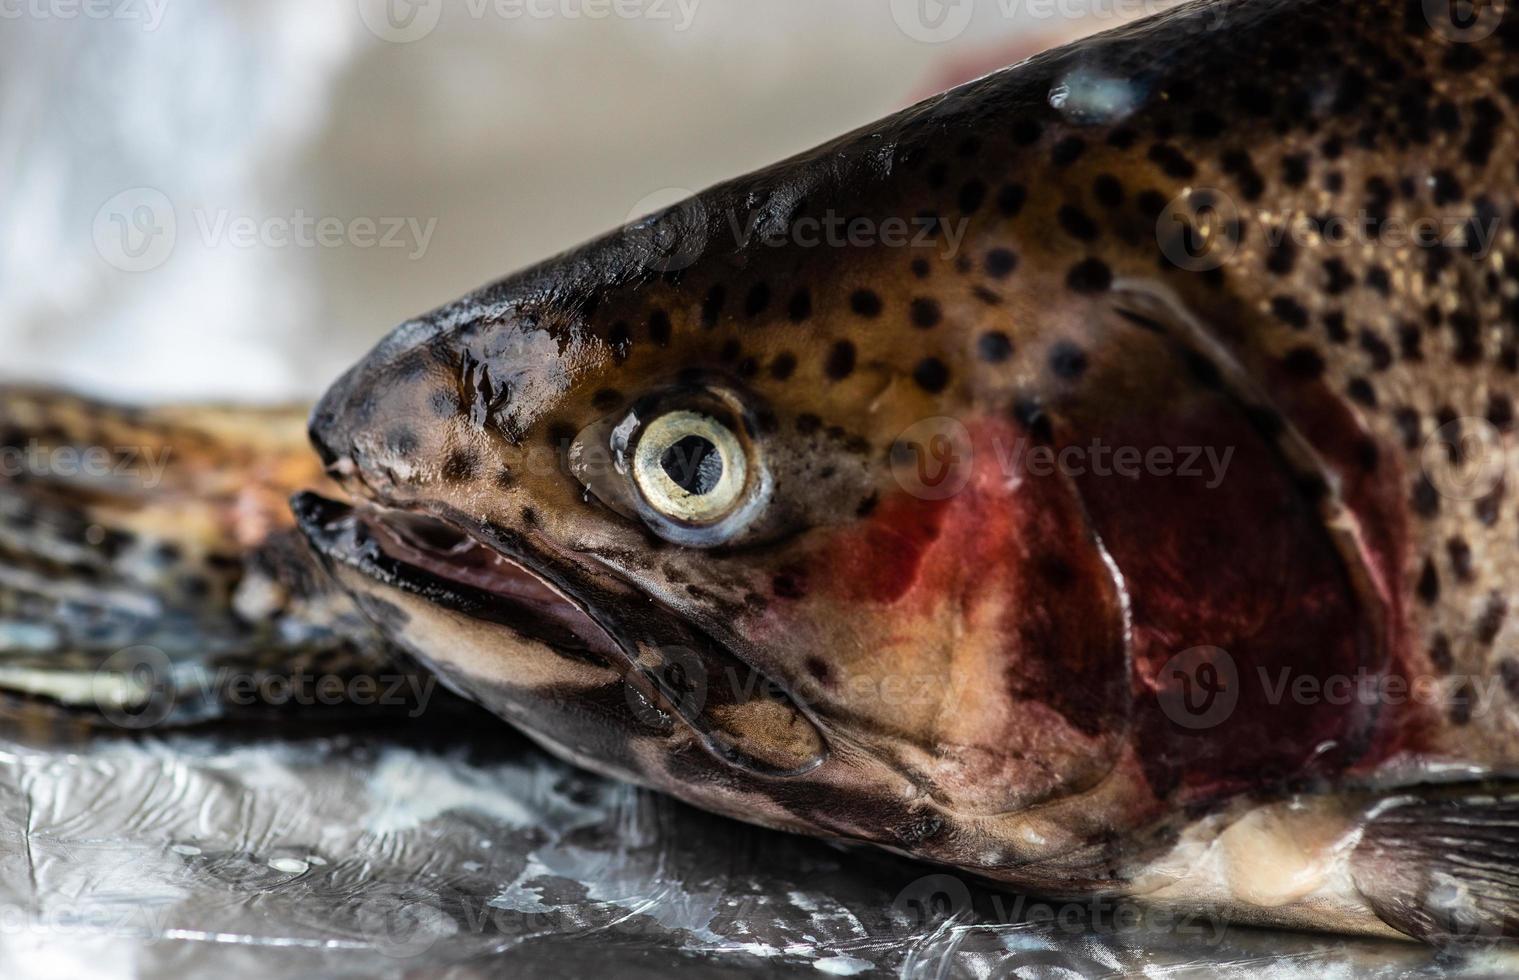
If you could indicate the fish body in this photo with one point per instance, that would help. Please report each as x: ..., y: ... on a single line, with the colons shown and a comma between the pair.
x: 1069, y: 479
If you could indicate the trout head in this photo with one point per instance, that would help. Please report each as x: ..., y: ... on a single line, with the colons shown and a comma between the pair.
x: 711, y: 536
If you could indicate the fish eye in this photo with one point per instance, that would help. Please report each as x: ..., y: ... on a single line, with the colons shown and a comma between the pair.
x: 690, y: 469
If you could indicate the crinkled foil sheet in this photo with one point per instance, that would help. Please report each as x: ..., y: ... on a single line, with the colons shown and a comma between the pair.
x: 449, y: 847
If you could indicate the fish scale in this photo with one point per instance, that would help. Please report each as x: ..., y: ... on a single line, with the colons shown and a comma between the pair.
x: 1162, y: 261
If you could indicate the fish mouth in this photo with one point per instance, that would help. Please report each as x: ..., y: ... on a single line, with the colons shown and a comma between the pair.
x: 447, y: 564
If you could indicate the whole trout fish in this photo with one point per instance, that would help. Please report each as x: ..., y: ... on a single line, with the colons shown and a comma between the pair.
x: 1094, y: 478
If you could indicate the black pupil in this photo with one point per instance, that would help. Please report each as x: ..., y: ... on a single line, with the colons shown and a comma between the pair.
x: 694, y: 464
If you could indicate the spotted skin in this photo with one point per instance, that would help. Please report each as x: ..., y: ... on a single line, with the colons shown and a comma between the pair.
x: 160, y: 532
x: 1055, y: 298
x: 989, y: 677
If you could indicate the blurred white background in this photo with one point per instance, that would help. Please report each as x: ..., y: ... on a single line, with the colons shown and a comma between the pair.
x: 235, y: 198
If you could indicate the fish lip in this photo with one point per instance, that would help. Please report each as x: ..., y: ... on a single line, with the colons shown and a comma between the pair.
x: 385, y: 545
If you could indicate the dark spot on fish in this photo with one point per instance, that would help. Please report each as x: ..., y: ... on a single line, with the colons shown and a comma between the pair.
x: 972, y: 194
x: 1067, y: 360
x: 920, y: 268
x: 1447, y: 189
x: 994, y: 347
x: 1491, y: 619
x: 1172, y: 161
x: 1026, y: 132
x: 1282, y: 256
x: 931, y: 375
x: 1089, y: 276
x: 1461, y: 704
x: 1000, y: 263
x: 1439, y: 653
x: 1460, y: 558
x: 1122, y: 138
x: 788, y: 585
x: 1303, y: 363
x: 1338, y: 278
x: 1029, y: 414
x: 1108, y: 191
x: 783, y: 366
x: 1067, y: 151
x: 712, y: 306
x: 1428, y: 587
x: 925, y: 313
x: 1290, y: 312
x: 1295, y: 170
x: 867, y: 506
x: 799, y: 308
x: 530, y: 518
x: 1077, y: 224
x: 757, y: 299
x: 1377, y: 349
x: 402, y: 441
x: 659, y: 328
x: 606, y: 399
x: 840, y: 363
x: 620, y: 339
x: 461, y: 465
x: 865, y: 303
x: 561, y: 435
x: 1360, y: 390
x: 807, y: 423
x: 1010, y: 199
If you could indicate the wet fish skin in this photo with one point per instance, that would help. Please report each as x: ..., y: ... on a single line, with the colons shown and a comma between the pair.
x: 1019, y: 678
x: 1056, y: 305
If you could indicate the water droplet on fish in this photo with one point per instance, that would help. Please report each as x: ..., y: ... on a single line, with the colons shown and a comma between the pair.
x: 291, y: 866
x: 187, y: 850
x: 1086, y: 96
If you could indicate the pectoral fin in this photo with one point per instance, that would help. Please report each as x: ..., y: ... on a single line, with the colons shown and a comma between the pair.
x: 1444, y: 869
